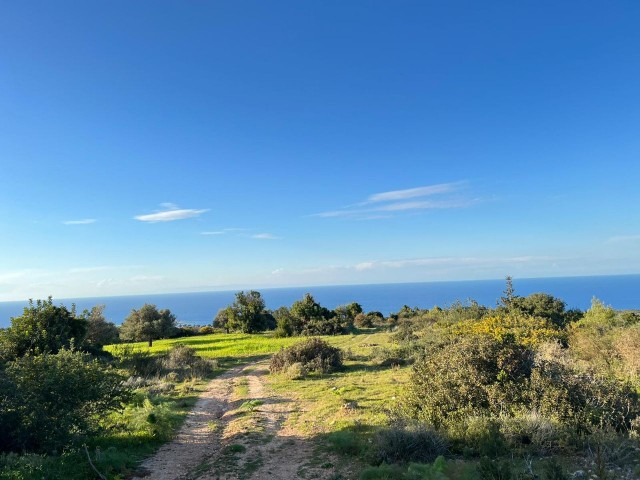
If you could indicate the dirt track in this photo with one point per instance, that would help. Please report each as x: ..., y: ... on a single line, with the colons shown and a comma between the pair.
x: 237, y: 430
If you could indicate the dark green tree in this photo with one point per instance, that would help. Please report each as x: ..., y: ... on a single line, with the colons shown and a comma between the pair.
x: 248, y: 314
x: 541, y: 305
x: 100, y: 332
x: 148, y: 324
x: 314, y: 318
x: 42, y: 328
x: 222, y: 319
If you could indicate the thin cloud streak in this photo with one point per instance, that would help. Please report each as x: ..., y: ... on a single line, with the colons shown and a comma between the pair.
x: 170, y: 214
x: 265, y: 236
x: 85, y: 221
x: 415, y: 192
x: 393, y: 201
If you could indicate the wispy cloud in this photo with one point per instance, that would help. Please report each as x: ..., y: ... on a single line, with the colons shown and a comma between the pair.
x: 265, y: 236
x: 170, y: 213
x: 85, y: 221
x: 624, y: 239
x: 396, y: 201
x: 452, y: 261
x: 103, y: 268
x: 217, y: 232
x: 415, y: 192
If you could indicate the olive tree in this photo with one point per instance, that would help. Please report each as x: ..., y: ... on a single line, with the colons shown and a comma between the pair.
x: 148, y: 324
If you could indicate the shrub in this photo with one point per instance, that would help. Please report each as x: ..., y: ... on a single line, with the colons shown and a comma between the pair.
x: 382, y: 472
x: 297, y: 371
x: 157, y: 421
x: 478, y: 436
x: 314, y: 354
x: 363, y: 321
x: 139, y: 362
x: 494, y: 469
x: 52, y: 399
x: 345, y: 442
x: 475, y: 375
x: 532, y: 431
x: 42, y: 328
x: 402, y: 444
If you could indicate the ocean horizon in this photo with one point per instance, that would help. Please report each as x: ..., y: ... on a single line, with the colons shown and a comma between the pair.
x: 199, y: 308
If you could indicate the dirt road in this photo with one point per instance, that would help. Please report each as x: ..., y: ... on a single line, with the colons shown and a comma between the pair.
x: 238, y: 430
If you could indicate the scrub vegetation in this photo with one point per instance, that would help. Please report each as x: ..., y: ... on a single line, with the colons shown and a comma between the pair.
x: 525, y: 390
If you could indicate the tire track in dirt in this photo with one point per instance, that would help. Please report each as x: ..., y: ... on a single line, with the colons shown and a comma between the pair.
x: 278, y: 452
x: 195, y: 440
x: 250, y: 441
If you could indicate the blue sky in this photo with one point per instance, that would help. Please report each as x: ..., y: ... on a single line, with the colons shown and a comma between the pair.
x: 156, y: 146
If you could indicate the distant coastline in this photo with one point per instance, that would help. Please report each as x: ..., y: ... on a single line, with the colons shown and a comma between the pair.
x: 199, y: 308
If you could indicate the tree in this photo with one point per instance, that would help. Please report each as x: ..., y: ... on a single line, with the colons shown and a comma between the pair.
x: 248, y: 314
x: 148, y: 324
x: 100, y: 332
x: 222, y: 319
x: 509, y: 293
x: 42, y: 328
x: 541, y: 305
x: 314, y: 318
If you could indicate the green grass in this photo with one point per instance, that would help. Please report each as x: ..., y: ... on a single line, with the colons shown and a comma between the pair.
x: 232, y: 346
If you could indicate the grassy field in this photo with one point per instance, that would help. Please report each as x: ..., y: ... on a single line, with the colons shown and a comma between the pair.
x: 242, y: 347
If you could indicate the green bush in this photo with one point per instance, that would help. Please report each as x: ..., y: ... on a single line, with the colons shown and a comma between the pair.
x: 471, y: 376
x: 185, y: 363
x: 478, y: 436
x: 51, y: 399
x: 42, y: 328
x: 157, y: 421
x: 402, y: 444
x: 345, y: 442
x: 534, y: 432
x: 495, y: 469
x: 382, y: 472
x: 314, y: 354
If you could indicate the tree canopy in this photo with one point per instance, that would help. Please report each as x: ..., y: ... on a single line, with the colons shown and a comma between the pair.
x: 42, y: 328
x: 247, y: 314
x: 148, y: 324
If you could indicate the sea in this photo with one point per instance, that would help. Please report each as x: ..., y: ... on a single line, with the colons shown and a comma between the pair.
x: 199, y: 308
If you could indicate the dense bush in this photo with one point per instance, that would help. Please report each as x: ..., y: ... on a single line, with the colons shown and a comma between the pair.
x: 403, y: 444
x: 472, y: 376
x: 184, y: 361
x: 314, y: 355
x: 181, y: 362
x: 42, y: 328
x: 48, y: 400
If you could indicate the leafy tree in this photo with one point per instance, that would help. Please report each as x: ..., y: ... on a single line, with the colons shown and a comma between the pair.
x: 148, y: 324
x: 46, y: 400
x: 316, y: 319
x: 541, y: 305
x: 287, y: 325
x: 248, y: 314
x: 222, y: 319
x: 100, y: 332
x: 42, y: 328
